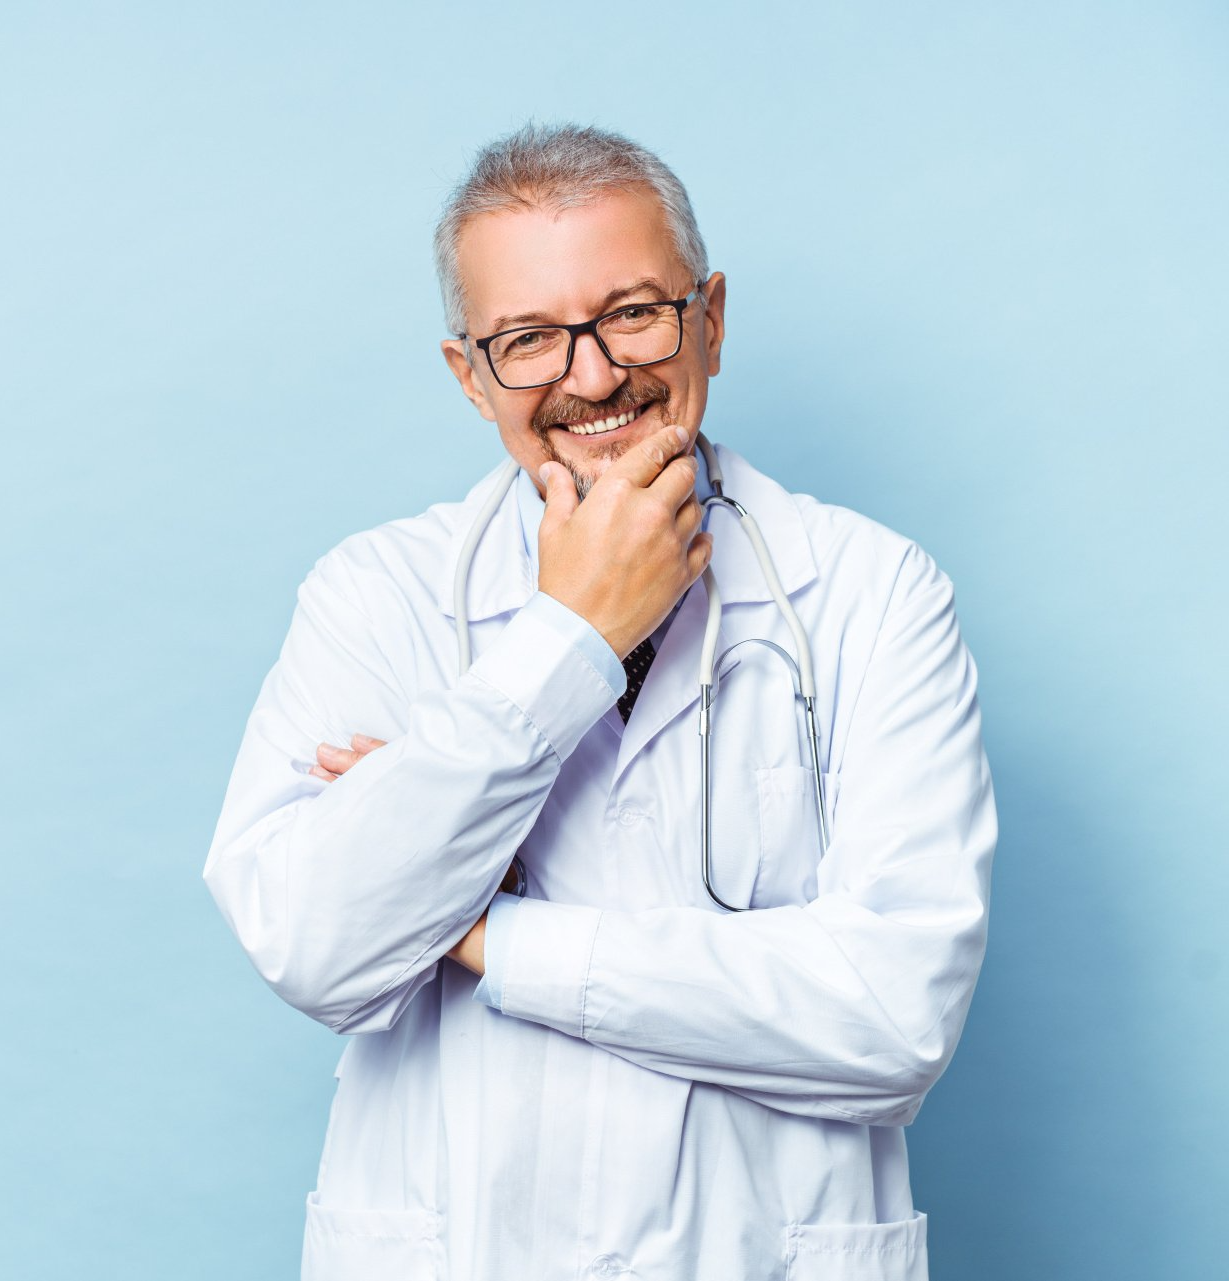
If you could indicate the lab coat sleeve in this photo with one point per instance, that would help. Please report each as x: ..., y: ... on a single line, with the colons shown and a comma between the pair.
x: 345, y: 895
x: 847, y: 1007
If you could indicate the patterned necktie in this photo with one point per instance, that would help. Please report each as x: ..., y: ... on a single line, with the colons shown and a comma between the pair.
x: 636, y: 665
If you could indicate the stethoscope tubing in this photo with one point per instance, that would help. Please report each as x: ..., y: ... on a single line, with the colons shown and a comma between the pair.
x: 802, y: 669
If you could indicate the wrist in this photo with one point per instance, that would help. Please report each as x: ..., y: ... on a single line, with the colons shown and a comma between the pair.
x: 471, y: 950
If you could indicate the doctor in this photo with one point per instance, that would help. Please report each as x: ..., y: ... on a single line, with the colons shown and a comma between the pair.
x: 611, y: 1076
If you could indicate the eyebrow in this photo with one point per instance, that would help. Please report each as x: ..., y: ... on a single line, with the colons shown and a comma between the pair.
x: 649, y: 285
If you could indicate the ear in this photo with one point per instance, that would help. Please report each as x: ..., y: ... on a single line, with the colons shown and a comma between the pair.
x: 467, y: 376
x: 714, y: 321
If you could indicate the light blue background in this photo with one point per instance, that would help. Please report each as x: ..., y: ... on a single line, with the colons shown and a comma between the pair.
x: 978, y: 279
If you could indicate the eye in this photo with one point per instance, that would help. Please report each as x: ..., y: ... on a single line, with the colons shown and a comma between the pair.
x: 528, y: 339
x: 634, y: 318
x: 526, y: 344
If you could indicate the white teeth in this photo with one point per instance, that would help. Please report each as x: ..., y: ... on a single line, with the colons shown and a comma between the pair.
x: 603, y: 424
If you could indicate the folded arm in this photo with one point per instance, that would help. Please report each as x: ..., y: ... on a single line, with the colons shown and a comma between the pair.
x: 346, y: 892
x: 849, y: 1006
x: 346, y: 895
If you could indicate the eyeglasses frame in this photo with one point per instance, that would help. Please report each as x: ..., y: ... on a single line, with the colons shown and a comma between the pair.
x: 574, y: 332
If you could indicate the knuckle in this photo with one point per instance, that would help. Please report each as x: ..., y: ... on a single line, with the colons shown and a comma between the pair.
x: 663, y: 513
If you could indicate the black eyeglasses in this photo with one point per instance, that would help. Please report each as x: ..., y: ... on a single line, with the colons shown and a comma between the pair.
x: 638, y: 333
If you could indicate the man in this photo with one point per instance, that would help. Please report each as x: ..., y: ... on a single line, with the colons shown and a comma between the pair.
x: 611, y: 1075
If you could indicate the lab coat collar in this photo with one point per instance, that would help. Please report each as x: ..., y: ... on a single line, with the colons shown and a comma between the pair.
x: 734, y: 565
x: 501, y: 577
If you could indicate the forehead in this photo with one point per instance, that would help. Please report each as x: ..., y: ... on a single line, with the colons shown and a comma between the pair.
x: 561, y: 264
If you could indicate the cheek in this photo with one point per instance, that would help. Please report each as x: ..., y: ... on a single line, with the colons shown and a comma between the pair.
x: 690, y: 395
x: 515, y: 424
x: 514, y: 413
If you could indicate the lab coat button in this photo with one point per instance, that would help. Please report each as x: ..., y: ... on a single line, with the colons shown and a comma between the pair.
x: 606, y: 1265
x: 629, y: 818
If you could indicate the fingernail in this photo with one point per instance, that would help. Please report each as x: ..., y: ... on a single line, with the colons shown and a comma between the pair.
x: 328, y: 749
x: 363, y: 738
x: 683, y: 434
x: 544, y: 473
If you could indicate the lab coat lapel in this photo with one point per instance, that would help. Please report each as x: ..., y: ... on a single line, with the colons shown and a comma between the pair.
x: 672, y: 684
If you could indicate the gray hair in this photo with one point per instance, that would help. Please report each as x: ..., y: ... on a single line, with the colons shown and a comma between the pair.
x: 560, y: 166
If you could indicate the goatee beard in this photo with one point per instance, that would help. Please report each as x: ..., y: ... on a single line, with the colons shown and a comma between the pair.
x: 639, y: 393
x: 584, y: 481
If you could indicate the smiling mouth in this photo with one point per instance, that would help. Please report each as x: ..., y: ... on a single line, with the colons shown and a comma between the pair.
x: 600, y: 426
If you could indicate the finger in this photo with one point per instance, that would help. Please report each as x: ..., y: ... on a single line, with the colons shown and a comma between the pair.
x: 689, y: 518
x: 643, y: 463
x: 318, y: 771
x: 677, y: 482
x: 561, y: 496
x: 363, y: 743
x: 699, y: 554
x: 336, y: 759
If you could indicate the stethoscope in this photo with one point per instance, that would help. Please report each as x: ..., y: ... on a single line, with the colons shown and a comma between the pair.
x: 802, y: 670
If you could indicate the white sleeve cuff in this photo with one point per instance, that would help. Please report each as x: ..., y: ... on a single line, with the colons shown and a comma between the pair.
x: 490, y: 989
x: 546, y: 964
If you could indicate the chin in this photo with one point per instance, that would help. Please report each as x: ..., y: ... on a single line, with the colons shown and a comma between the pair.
x: 587, y: 470
x: 588, y: 473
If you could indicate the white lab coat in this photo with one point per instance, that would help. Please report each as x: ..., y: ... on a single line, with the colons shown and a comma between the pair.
x: 670, y: 1091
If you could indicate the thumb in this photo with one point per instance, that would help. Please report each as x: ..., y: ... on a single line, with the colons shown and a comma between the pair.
x: 561, y: 496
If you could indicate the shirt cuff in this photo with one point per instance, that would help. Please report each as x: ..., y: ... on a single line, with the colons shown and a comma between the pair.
x: 583, y: 635
x: 545, y: 967
x: 490, y: 989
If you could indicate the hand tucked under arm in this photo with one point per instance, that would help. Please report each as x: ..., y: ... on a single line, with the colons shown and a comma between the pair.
x: 345, y: 893
x: 331, y: 763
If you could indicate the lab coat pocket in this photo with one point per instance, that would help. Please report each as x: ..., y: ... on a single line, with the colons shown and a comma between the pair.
x: 371, y: 1245
x: 857, y: 1251
x: 789, y: 834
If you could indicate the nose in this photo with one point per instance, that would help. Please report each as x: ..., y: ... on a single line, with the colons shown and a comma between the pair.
x: 592, y: 376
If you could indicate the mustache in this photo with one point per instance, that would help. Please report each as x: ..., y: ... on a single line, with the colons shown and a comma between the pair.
x: 626, y: 397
